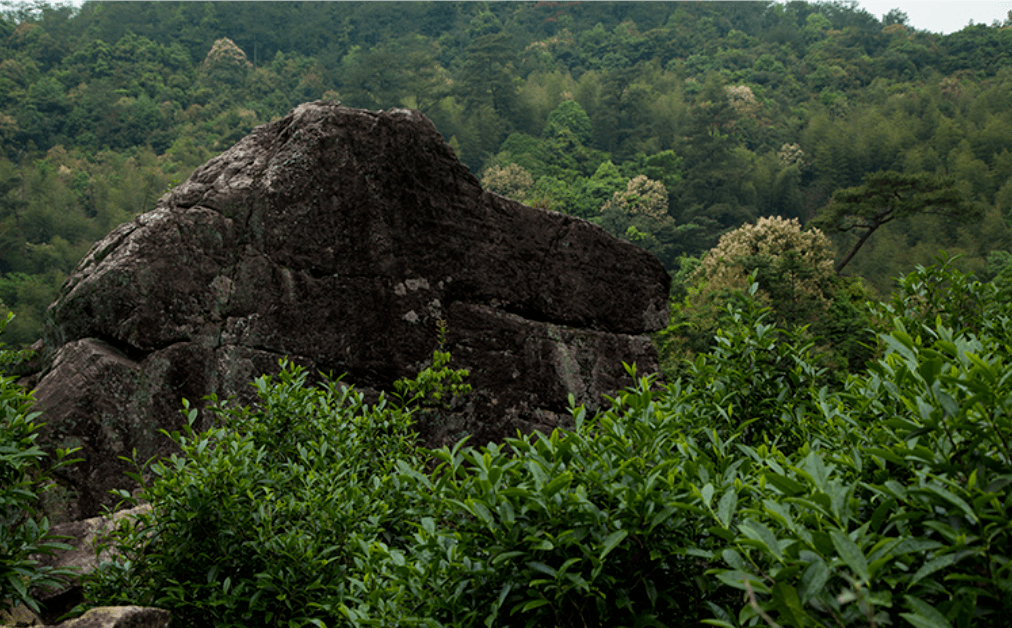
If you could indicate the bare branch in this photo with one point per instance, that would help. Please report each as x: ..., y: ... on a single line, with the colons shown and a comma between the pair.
x: 755, y: 606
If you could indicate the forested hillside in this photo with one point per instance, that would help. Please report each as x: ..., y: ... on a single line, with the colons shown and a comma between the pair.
x: 668, y: 123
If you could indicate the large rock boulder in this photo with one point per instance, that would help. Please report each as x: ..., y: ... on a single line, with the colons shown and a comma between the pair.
x: 339, y: 237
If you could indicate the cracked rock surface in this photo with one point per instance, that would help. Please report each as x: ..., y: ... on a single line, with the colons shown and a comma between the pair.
x: 338, y: 237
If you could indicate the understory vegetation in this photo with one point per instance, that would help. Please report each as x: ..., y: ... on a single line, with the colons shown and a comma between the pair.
x: 751, y: 490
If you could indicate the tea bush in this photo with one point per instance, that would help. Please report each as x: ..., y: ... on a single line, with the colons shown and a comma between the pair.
x: 258, y: 521
x: 24, y: 475
x: 744, y: 493
x: 897, y: 509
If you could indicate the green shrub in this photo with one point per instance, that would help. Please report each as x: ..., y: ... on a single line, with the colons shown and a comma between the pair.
x: 24, y: 475
x: 757, y: 379
x: 579, y: 528
x: 259, y: 521
x: 436, y: 386
x: 899, y: 510
x: 745, y: 493
x: 940, y: 294
x: 896, y: 510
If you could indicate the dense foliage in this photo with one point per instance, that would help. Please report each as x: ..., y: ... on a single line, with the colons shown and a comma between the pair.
x: 785, y: 268
x: 817, y: 458
x: 24, y: 477
x: 745, y: 493
x: 668, y: 123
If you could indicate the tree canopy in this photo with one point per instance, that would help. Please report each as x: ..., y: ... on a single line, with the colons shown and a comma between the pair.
x: 887, y: 196
x: 741, y: 110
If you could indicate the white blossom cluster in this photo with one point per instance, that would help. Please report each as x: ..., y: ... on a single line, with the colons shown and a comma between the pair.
x: 225, y: 53
x: 791, y: 155
x: 643, y: 196
x: 743, y: 100
x: 725, y: 266
x: 511, y: 181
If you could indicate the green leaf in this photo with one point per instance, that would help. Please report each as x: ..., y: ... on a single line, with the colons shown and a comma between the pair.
x: 924, y: 615
x: 932, y: 566
x: 494, y: 474
x: 851, y: 554
x: 612, y: 541
x: 661, y: 517
x: 948, y: 403
x: 737, y: 579
x: 723, y: 617
x: 726, y: 507
x: 883, y: 510
x: 502, y: 598
x: 814, y: 579
x: 998, y: 483
x: 480, y: 510
x: 506, y: 512
x: 557, y: 484
x: 908, y: 546
x: 888, y: 454
x: 543, y: 568
x: 764, y: 536
x: 785, y: 598
x: 816, y: 469
x: 930, y: 369
x: 538, y: 542
x: 706, y: 555
x: 784, y: 484
x: 19, y: 586
x: 569, y: 563
x: 506, y: 556
x: 779, y: 512
x: 707, y: 493
x: 538, y: 471
x: 733, y: 559
x: 531, y: 605
x: 901, y: 343
x: 954, y: 500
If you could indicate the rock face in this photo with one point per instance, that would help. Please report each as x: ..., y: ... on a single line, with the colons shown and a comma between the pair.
x: 83, y: 538
x: 121, y: 617
x: 339, y: 237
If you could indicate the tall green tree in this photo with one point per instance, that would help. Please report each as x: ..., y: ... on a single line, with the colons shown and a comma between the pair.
x: 886, y: 196
x: 487, y: 88
x: 401, y: 72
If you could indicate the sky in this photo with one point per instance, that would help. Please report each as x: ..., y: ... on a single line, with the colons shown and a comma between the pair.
x: 941, y: 17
